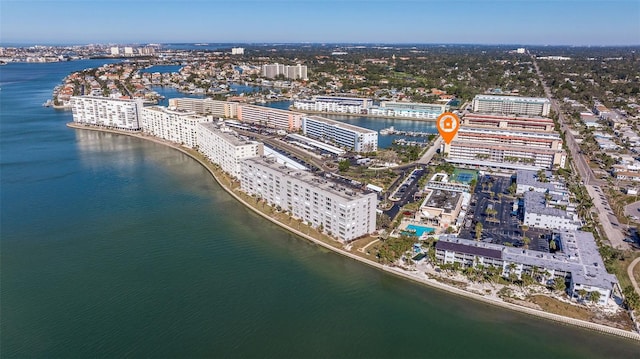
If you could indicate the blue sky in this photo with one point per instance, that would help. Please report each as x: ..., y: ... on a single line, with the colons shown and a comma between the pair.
x: 527, y: 22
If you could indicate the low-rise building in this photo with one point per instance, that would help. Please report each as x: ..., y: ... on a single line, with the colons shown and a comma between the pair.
x: 352, y: 137
x: 576, y: 261
x: 344, y: 213
x: 338, y: 104
x: 440, y: 207
x: 408, y: 109
x: 538, y: 214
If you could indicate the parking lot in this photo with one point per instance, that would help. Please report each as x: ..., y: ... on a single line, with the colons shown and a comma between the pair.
x: 505, y: 225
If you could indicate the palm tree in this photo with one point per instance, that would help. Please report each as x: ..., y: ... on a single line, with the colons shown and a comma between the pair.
x: 478, y: 230
x: 526, y: 240
x: 594, y: 296
x: 583, y: 294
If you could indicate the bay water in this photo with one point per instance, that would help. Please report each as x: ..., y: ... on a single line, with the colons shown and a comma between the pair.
x: 113, y: 246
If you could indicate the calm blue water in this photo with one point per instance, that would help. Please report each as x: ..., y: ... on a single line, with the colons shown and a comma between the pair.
x: 117, y: 247
x: 420, y: 229
x: 162, y: 69
x: 377, y: 124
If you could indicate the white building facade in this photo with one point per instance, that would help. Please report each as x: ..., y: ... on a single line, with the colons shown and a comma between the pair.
x: 206, y: 106
x: 270, y: 117
x: 354, y: 138
x: 107, y: 112
x: 343, y: 213
x: 408, y: 109
x: 530, y: 106
x: 177, y: 126
x: 334, y: 104
x: 222, y: 147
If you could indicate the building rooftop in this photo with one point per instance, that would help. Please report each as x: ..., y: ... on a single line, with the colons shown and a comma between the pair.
x: 341, y: 124
x: 578, y: 255
x: 535, y: 202
x: 312, y: 180
x: 511, y: 98
x: 442, y: 199
x: 226, y: 133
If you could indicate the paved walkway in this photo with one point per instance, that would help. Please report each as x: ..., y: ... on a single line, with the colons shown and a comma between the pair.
x: 615, y: 236
x: 630, y: 273
x: 632, y: 209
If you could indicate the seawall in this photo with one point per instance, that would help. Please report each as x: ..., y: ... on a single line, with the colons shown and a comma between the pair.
x: 391, y: 270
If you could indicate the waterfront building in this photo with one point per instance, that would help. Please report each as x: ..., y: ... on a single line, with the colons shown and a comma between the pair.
x: 529, y: 106
x: 344, y: 213
x: 115, y: 51
x: 577, y: 261
x: 294, y: 72
x: 336, y: 104
x: 538, y: 213
x: 107, y: 112
x: 177, y: 126
x: 225, y: 148
x: 237, y: 51
x: 408, y: 109
x: 271, y: 71
x: 206, y: 106
x: 507, y: 149
x: 270, y: 117
x: 352, y: 137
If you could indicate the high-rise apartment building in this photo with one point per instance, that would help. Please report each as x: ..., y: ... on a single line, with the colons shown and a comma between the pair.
x: 270, y: 117
x: 177, y: 126
x: 107, y: 112
x: 345, y: 213
x: 206, y: 106
x: 224, y: 148
x: 528, y: 106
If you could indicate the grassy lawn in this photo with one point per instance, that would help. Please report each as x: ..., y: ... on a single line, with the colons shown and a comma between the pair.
x: 620, y: 320
x: 621, y: 268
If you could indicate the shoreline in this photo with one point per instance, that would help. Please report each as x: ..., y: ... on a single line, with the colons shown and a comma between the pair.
x: 210, y: 167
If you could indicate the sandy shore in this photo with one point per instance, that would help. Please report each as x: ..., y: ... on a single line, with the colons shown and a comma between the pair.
x: 416, y: 276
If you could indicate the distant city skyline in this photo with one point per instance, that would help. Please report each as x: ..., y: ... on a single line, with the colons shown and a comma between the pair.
x: 524, y: 22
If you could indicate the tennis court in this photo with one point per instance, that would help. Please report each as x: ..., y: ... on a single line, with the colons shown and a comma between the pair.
x: 464, y: 176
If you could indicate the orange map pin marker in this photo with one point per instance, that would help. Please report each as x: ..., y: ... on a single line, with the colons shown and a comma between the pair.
x: 448, y: 124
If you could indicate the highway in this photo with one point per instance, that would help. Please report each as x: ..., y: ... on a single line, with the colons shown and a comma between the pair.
x: 615, y: 236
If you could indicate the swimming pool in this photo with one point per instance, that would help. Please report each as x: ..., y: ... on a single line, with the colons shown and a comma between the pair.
x: 419, y: 230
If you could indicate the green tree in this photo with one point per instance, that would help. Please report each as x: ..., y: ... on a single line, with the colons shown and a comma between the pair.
x: 594, y: 296
x: 344, y: 165
x: 526, y: 240
x: 583, y: 294
x: 478, y: 230
x: 631, y: 298
x: 559, y: 284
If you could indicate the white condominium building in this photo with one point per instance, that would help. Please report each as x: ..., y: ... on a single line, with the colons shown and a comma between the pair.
x: 270, y: 117
x: 237, y: 51
x: 352, y: 137
x: 206, y: 106
x: 344, y: 213
x: 408, y: 109
x: 106, y: 112
x: 540, y: 215
x: 529, y: 106
x: 577, y: 259
x: 177, y: 126
x: 290, y: 72
x: 334, y: 104
x: 224, y: 148
x: 506, y: 149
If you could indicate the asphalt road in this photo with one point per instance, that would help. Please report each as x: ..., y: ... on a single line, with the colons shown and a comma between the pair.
x: 614, y: 235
